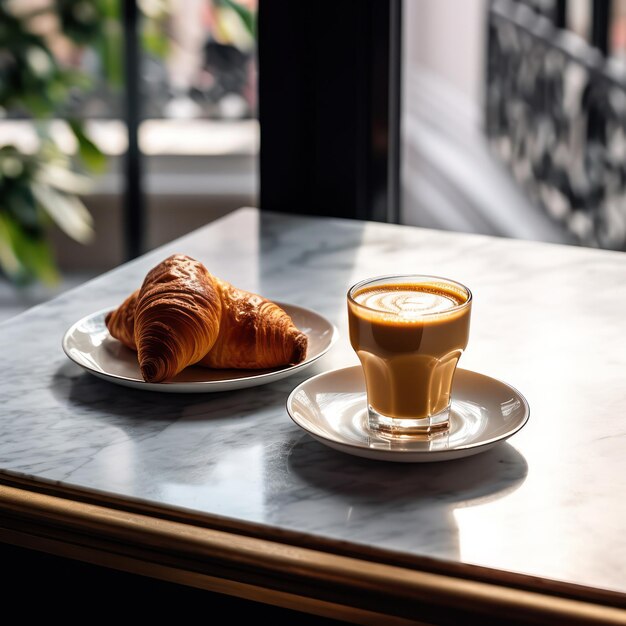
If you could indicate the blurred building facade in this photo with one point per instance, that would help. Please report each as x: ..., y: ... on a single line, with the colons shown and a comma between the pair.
x: 514, y: 119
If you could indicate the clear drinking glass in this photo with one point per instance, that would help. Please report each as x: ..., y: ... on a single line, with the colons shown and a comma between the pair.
x: 409, y: 332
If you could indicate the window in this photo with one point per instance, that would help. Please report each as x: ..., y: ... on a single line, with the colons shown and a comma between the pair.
x: 198, y: 135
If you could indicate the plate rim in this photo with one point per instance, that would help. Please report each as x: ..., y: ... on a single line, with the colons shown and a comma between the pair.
x: 235, y: 382
x: 471, y: 448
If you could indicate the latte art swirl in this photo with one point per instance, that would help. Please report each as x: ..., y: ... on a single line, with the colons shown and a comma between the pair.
x: 408, y: 303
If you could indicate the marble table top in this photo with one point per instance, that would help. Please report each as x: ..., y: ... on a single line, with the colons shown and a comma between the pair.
x: 547, y: 319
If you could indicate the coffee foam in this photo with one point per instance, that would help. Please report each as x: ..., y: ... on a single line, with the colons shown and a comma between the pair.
x: 408, y: 301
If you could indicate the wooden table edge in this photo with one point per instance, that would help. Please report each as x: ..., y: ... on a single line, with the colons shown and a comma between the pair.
x: 319, y: 582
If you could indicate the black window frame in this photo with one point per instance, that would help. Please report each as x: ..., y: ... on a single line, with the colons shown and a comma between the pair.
x: 329, y: 108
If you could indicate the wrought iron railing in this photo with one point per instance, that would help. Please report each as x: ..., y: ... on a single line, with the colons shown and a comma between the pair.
x: 556, y: 115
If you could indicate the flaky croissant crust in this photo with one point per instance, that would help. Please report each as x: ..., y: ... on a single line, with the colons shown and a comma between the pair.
x: 183, y: 315
x: 121, y: 321
x: 254, y: 333
x: 176, y: 318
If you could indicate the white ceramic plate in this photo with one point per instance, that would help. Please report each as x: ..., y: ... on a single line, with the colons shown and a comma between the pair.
x: 89, y: 344
x: 332, y: 408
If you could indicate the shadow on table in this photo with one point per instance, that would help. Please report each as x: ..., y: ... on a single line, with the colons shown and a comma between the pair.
x: 409, y: 506
x: 124, y: 406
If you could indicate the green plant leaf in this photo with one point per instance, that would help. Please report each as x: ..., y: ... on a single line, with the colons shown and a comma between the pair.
x: 110, y: 47
x: 91, y: 156
x: 247, y: 17
x: 40, y: 260
x: 154, y: 41
x: 63, y: 179
x: 80, y: 19
x: 24, y: 258
x: 110, y: 8
x: 68, y: 212
x: 9, y: 261
x: 21, y: 205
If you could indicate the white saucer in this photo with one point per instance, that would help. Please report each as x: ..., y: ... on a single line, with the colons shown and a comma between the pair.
x: 89, y: 344
x: 332, y: 408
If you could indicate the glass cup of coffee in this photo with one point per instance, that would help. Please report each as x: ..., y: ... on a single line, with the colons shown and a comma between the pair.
x: 409, y: 332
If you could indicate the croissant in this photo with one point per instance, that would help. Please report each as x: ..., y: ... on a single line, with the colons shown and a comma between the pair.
x: 182, y: 315
x: 172, y: 320
x: 121, y: 321
x: 254, y: 333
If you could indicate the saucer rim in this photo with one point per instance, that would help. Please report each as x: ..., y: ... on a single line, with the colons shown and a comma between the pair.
x: 472, y: 448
